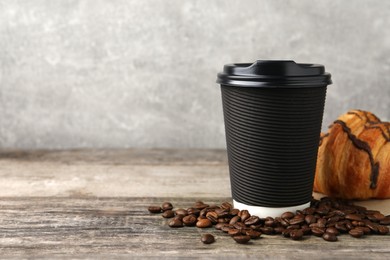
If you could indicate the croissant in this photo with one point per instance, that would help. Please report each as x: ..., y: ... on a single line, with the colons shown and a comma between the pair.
x: 353, y: 159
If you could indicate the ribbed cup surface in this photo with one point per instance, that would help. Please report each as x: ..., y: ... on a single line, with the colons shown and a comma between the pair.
x: 272, y: 137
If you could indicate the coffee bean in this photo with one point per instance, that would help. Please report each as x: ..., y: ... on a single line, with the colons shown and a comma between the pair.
x: 253, y: 234
x: 383, y: 230
x: 286, y: 232
x: 306, y: 230
x: 310, y: 219
x: 227, y: 206
x: 253, y: 220
x: 267, y: 230
x: 193, y: 211
x: 223, y: 220
x: 329, y: 237
x: 269, y: 223
x: 190, y: 220
x: 385, y: 221
x: 332, y: 230
x: 222, y: 213
x: 207, y: 239
x: 235, y: 220
x: 226, y: 228
x: 294, y: 227
x: 322, y: 221
x: 353, y: 217
x: 242, y: 239
x: 284, y: 223
x: 373, y: 227
x: 365, y: 230
x: 219, y: 226
x: 287, y: 215
x: 167, y: 206
x: 378, y: 216
x: 212, y: 216
x: 341, y: 227
x: 181, y: 212
x: 239, y: 225
x: 317, y: 231
x: 154, y: 209
x: 297, y: 220
x: 234, y: 212
x: 204, y: 223
x: 168, y: 214
x: 296, y: 234
x: 309, y: 211
x: 244, y: 214
x: 234, y: 232
x: 200, y: 205
x: 175, y: 223
x: 356, y: 232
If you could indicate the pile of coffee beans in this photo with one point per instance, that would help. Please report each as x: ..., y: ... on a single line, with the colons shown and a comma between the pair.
x: 327, y: 218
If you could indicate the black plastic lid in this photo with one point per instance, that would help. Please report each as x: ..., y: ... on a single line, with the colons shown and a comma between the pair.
x: 274, y: 73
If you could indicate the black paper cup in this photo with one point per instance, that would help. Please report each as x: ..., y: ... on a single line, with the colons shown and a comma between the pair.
x: 273, y: 113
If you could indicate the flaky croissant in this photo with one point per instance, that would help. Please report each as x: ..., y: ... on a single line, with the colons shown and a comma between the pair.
x: 354, y: 158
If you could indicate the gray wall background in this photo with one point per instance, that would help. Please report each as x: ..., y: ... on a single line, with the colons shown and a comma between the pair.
x: 123, y: 73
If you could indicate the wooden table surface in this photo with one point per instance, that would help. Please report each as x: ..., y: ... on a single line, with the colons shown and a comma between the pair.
x: 93, y: 204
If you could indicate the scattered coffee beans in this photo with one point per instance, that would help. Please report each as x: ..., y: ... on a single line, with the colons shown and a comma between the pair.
x: 154, y: 209
x: 207, y: 239
x: 241, y: 239
x: 326, y: 218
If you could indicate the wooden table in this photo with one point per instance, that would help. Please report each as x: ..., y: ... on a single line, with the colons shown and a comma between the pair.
x: 93, y: 204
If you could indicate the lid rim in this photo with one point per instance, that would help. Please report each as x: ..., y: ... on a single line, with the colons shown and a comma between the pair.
x: 274, y: 73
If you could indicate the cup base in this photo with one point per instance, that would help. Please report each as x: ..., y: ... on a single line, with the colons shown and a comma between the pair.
x: 264, y: 212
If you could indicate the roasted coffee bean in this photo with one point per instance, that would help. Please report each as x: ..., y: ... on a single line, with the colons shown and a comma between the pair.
x: 226, y: 228
x: 252, y: 220
x: 349, y: 225
x: 378, y: 216
x: 279, y: 230
x: 222, y: 213
x: 193, y: 211
x: 244, y: 215
x: 373, y: 227
x: 200, y: 205
x: 242, y: 239
x: 322, y: 211
x: 284, y: 223
x: 353, y: 217
x: 356, y: 232
x: 200, y: 217
x: 329, y: 237
x: 296, y: 234
x: 207, y: 239
x: 383, y: 230
x: 339, y: 213
x: 227, y: 206
x: 239, y: 225
x: 333, y: 219
x: 212, y: 216
x: 317, y: 231
x: 332, y: 230
x: 341, y: 227
x: 306, y: 230
x: 317, y: 225
x: 269, y: 223
x: 223, y: 220
x: 294, y: 227
x: 385, y: 221
x: 310, y: 219
x: 203, y: 212
x: 287, y: 215
x: 358, y: 223
x: 267, y: 230
x: 365, y: 230
x: 286, y: 232
x: 167, y: 206
x: 154, y: 209
x: 175, y: 223
x: 168, y: 214
x: 234, y: 220
x: 253, y: 234
x: 298, y: 219
x: 234, y: 232
x: 309, y: 211
x: 190, y: 220
x: 322, y: 221
x: 181, y: 212
x: 219, y: 226
x: 204, y: 223
x: 234, y: 212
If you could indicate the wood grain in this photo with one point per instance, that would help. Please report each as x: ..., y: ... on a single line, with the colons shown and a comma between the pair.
x: 89, y: 227
x: 93, y: 204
